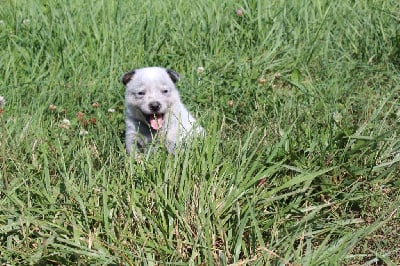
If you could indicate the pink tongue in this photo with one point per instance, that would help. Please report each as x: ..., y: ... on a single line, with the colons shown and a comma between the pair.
x: 156, y: 121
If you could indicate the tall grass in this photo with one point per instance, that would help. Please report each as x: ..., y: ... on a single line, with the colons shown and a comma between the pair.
x: 300, y: 165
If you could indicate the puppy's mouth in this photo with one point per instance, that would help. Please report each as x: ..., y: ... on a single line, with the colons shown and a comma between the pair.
x: 156, y: 121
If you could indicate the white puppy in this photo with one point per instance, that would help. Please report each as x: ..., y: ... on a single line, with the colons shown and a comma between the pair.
x: 153, y: 107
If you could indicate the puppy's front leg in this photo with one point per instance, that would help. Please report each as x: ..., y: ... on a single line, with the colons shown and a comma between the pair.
x: 132, y: 137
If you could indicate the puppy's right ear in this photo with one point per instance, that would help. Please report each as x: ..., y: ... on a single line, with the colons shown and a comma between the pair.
x: 127, y: 77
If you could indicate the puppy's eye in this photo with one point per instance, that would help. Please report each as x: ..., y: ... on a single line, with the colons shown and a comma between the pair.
x: 140, y: 93
x: 165, y: 91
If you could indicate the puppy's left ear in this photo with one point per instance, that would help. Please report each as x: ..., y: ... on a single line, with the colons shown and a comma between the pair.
x: 127, y: 77
x: 173, y: 75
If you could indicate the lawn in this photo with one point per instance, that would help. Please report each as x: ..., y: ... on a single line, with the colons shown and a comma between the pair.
x: 301, y: 104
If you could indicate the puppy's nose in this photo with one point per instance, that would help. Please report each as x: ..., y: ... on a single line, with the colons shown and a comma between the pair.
x: 155, y: 106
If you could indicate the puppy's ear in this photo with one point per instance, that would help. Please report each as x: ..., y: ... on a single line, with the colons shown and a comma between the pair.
x: 127, y: 77
x: 173, y: 75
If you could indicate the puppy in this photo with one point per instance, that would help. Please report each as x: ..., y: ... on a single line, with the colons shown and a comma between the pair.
x: 153, y: 107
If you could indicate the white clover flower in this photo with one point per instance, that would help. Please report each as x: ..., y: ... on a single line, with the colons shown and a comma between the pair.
x: 26, y: 21
x: 2, y: 22
x: 2, y: 101
x: 83, y: 132
x: 65, y: 123
x: 337, y: 117
x: 200, y: 70
x: 111, y: 110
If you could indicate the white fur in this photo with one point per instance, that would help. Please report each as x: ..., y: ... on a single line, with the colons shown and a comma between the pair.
x: 149, y: 87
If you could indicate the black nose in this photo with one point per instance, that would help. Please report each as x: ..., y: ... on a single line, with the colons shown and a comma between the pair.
x: 155, y: 106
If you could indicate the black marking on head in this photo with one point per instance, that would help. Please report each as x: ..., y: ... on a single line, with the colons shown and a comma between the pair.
x: 173, y: 75
x: 127, y: 77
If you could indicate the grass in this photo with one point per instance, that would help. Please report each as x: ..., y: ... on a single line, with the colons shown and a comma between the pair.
x: 300, y: 165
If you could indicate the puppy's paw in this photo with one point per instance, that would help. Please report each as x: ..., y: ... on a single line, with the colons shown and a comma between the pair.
x: 137, y: 157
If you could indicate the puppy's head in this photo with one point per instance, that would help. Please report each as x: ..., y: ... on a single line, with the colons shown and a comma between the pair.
x: 150, y: 92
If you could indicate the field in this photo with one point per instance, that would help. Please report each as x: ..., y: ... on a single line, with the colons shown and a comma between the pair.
x: 300, y: 166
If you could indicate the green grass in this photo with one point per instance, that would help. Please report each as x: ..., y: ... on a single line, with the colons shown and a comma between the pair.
x: 301, y: 162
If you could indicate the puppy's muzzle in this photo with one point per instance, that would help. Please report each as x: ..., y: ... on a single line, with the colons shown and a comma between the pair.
x: 155, y: 119
x: 155, y: 106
